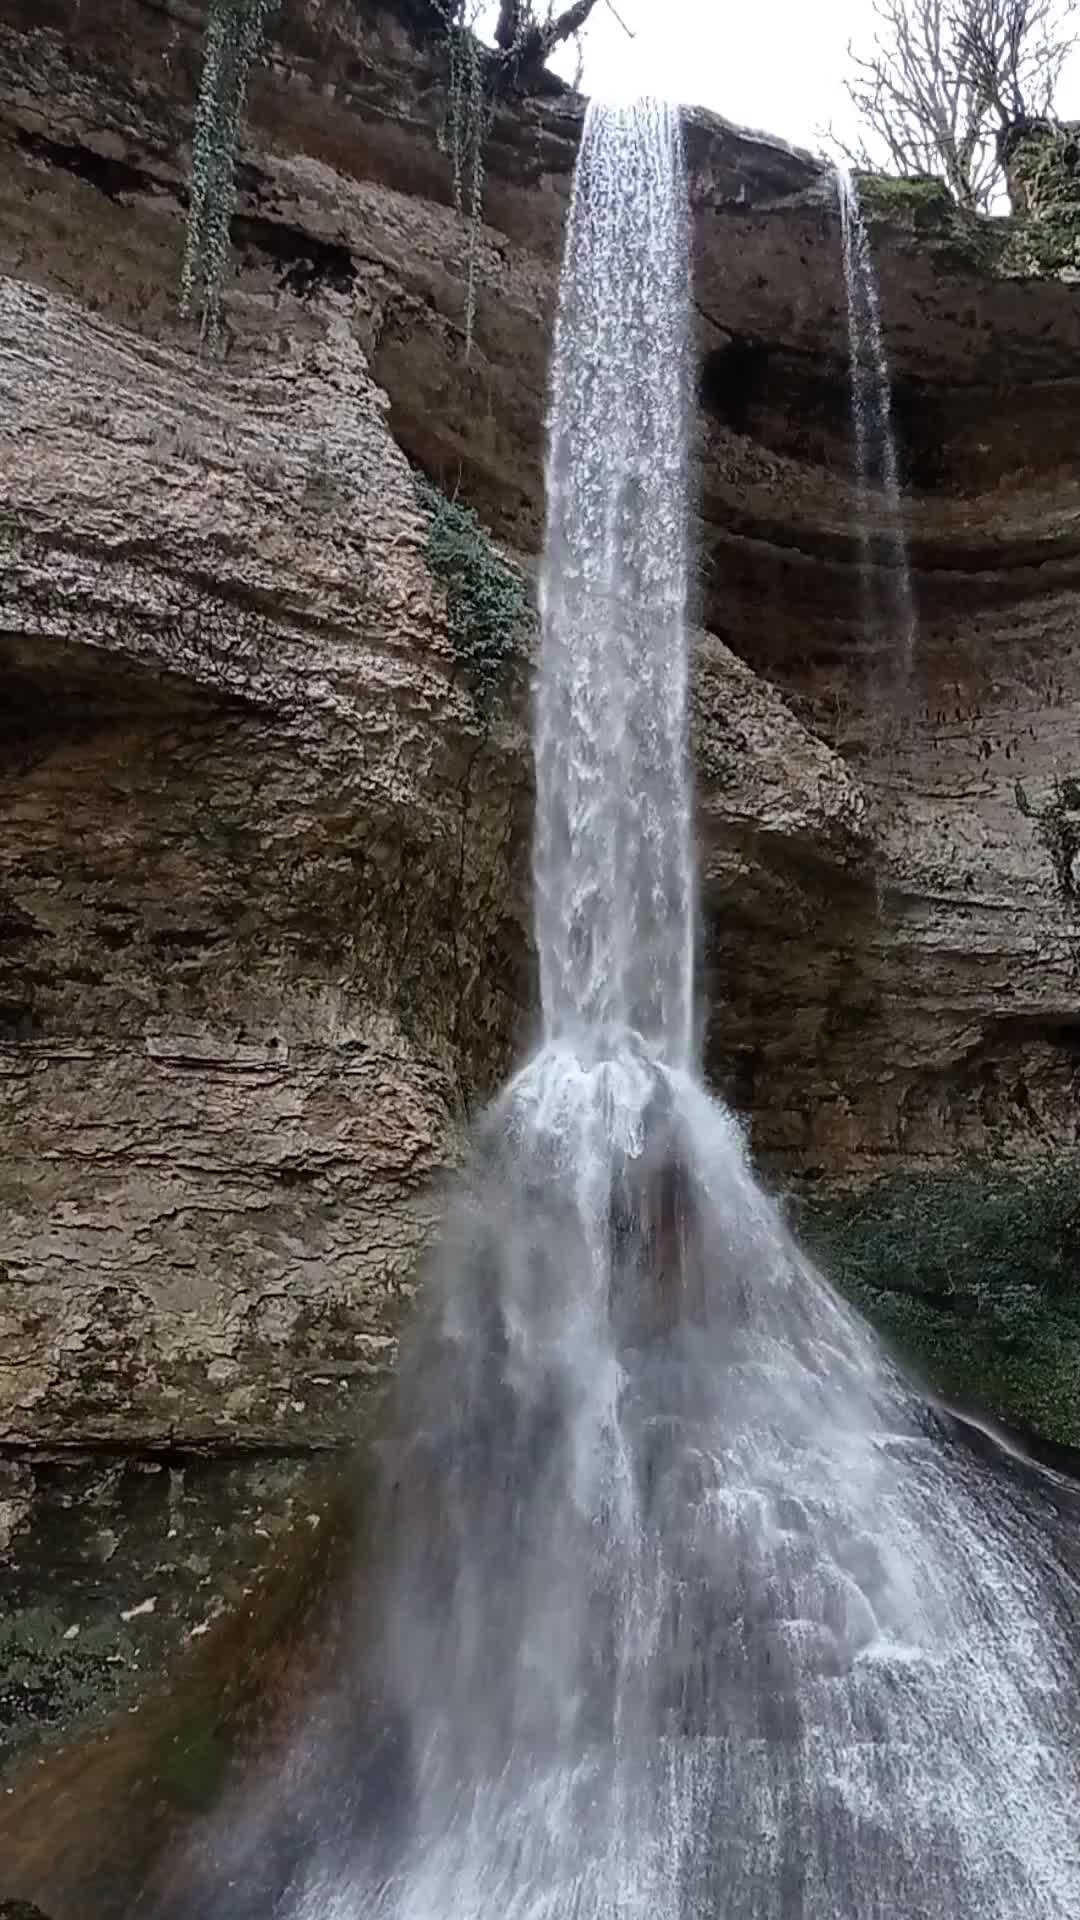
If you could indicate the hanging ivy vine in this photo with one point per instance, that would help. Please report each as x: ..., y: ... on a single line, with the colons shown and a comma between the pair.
x: 1057, y: 823
x: 470, y: 109
x: 478, y: 77
x: 234, y: 34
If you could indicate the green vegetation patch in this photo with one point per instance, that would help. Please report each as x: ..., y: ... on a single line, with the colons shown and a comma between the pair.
x: 922, y: 195
x: 52, y: 1674
x: 1057, y: 823
x: 923, y: 205
x: 973, y: 1277
x: 233, y: 38
x: 487, y: 608
x: 1043, y: 165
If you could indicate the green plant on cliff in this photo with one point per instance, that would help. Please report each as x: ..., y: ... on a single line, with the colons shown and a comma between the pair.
x: 924, y: 205
x: 478, y: 76
x: 922, y: 196
x: 51, y: 1675
x: 974, y: 1277
x: 470, y: 108
x: 487, y: 610
x: 1057, y: 824
x: 1042, y: 162
x: 234, y: 33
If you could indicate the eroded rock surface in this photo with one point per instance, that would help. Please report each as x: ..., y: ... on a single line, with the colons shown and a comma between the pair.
x: 248, y: 905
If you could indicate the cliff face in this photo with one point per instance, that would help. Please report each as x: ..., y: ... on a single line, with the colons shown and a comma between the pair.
x: 250, y: 918
x: 264, y: 864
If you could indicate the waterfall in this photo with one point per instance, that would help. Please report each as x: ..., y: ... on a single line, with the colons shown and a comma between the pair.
x: 613, y: 878
x: 689, y: 1606
x: 888, y: 609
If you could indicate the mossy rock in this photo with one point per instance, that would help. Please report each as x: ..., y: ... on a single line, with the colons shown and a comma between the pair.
x: 52, y: 1674
x: 1042, y: 161
x: 921, y: 197
x: 487, y: 609
x: 87, y: 1826
x: 973, y: 1277
x: 922, y: 206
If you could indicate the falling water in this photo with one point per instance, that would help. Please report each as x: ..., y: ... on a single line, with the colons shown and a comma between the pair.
x: 691, y: 1608
x: 888, y: 608
x: 613, y: 870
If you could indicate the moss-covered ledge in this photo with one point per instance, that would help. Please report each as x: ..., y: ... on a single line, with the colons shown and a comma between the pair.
x: 973, y: 1278
x: 921, y: 207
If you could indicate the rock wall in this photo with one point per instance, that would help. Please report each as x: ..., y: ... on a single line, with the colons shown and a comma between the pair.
x: 249, y: 913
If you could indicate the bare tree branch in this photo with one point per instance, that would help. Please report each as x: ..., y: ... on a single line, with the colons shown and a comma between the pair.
x: 941, y: 79
x: 511, y: 23
x: 528, y: 41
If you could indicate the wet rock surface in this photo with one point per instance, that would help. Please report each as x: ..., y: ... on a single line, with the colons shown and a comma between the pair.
x: 113, y: 1566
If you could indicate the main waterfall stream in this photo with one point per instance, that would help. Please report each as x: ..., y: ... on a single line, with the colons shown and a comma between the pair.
x: 689, y: 1605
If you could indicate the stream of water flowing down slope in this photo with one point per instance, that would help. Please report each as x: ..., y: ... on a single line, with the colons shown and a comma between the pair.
x: 888, y: 606
x: 690, y: 1606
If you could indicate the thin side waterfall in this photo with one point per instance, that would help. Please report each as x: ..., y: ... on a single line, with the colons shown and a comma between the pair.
x: 888, y: 606
x: 688, y: 1606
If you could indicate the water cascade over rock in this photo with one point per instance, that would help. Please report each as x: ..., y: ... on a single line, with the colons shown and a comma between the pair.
x: 690, y: 1605
x: 613, y: 866
x: 888, y: 605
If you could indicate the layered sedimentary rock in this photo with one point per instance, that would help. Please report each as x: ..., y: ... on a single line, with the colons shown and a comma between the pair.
x: 251, y: 918
x: 264, y: 862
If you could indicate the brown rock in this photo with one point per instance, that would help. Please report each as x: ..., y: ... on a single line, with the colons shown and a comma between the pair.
x: 240, y: 986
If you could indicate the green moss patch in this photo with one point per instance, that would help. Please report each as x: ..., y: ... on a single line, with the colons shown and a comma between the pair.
x: 922, y: 205
x: 487, y: 609
x: 973, y: 1277
x: 52, y: 1673
x: 922, y: 196
x: 1043, y: 165
x: 89, y: 1825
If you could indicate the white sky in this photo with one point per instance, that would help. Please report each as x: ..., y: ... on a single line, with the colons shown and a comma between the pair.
x: 776, y: 65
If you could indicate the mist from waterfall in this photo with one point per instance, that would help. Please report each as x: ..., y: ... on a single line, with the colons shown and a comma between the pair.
x: 688, y: 1606
x: 888, y: 608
